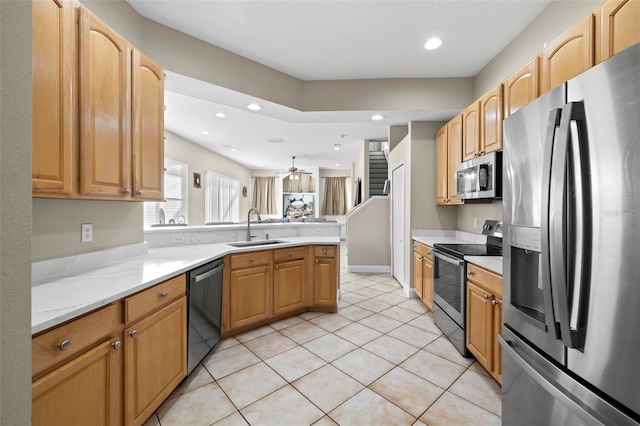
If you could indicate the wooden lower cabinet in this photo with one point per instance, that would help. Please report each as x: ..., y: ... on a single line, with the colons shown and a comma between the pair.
x: 250, y: 295
x: 484, y: 318
x: 289, y: 282
x: 325, y: 277
x: 155, y: 360
x: 84, y: 391
x: 423, y: 273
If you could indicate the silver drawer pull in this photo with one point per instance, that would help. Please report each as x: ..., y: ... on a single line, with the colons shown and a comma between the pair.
x: 116, y: 344
x: 126, y: 191
x: 133, y: 333
x: 324, y: 251
x: 139, y: 192
x: 290, y: 253
x: 470, y: 273
x: 486, y: 296
x: 252, y: 259
x: 277, y: 267
x: 64, y: 345
x: 494, y: 302
x: 269, y: 268
x: 164, y: 294
x: 317, y: 261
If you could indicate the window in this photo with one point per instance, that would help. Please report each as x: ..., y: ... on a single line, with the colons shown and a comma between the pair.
x: 176, y: 206
x: 222, y: 198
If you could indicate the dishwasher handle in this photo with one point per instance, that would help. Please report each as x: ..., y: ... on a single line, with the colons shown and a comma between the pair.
x: 208, y: 274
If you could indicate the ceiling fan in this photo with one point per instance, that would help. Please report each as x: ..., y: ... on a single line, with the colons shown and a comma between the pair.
x: 294, y: 172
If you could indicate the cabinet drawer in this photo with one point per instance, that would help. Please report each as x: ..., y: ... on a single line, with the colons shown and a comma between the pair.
x: 250, y: 259
x: 153, y: 298
x: 423, y: 250
x: 325, y: 251
x: 487, y: 280
x: 62, y: 343
x: 284, y: 255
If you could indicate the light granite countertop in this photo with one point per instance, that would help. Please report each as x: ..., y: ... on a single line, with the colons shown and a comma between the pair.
x: 59, y: 299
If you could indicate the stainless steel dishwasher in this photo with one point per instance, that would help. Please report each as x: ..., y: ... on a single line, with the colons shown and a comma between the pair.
x: 204, y: 293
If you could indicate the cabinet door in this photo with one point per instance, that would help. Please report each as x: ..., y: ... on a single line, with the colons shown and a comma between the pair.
x: 491, y: 121
x: 250, y: 295
x: 52, y: 89
x: 155, y: 360
x: 619, y: 26
x: 470, y: 131
x: 427, y: 283
x: 521, y: 87
x: 84, y: 391
x: 568, y: 55
x: 324, y: 282
x: 454, y: 146
x: 479, y: 324
x: 289, y: 282
x: 147, y: 99
x: 105, y: 139
x: 442, y: 166
x: 496, y: 370
x: 418, y: 260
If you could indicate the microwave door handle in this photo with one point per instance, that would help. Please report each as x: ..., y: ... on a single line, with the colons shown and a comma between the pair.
x: 577, y: 226
x: 545, y: 258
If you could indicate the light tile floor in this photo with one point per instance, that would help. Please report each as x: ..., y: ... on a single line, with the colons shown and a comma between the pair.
x: 379, y: 361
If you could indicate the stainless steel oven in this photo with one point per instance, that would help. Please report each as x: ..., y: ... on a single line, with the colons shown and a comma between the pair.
x: 449, y: 296
x: 204, y: 294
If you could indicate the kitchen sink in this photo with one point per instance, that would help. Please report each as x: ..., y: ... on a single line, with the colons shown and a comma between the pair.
x: 256, y: 243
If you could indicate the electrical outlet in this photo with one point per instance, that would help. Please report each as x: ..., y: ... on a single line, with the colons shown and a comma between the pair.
x: 177, y: 239
x: 86, y: 232
x: 475, y: 222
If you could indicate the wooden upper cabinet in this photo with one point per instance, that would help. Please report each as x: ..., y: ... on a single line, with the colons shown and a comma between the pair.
x: 454, y: 147
x: 52, y: 102
x: 568, y: 55
x: 491, y: 121
x: 442, y: 165
x: 471, y: 131
x: 617, y: 27
x: 105, y: 168
x: 522, y: 87
x: 148, y: 128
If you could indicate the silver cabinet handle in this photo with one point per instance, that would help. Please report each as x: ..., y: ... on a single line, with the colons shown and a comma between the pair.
x: 164, y: 294
x: 277, y: 267
x: 252, y: 259
x: 64, y: 345
x: 324, y: 251
x: 139, y: 192
x: 290, y: 253
x: 268, y: 268
x: 494, y: 302
x: 126, y: 191
x: 317, y: 261
x: 421, y: 258
x: 116, y: 344
x: 486, y: 296
x: 133, y: 333
x: 470, y: 273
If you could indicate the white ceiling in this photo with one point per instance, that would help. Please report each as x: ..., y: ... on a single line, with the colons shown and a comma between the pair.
x: 325, y: 40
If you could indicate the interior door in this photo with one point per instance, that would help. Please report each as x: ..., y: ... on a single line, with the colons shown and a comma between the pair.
x: 397, y: 222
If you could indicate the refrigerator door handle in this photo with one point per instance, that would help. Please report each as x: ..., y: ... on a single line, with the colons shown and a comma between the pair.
x: 546, y: 278
x: 570, y: 228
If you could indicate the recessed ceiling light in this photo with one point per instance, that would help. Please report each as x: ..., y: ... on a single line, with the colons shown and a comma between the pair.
x: 336, y: 147
x: 377, y: 117
x: 254, y: 107
x: 433, y: 43
x: 204, y: 132
x: 233, y: 150
x: 221, y: 115
x: 337, y: 164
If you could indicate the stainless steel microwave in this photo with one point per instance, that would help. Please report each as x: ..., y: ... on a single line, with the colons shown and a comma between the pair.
x: 480, y: 177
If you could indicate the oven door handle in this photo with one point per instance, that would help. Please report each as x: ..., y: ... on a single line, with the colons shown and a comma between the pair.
x: 448, y: 259
x: 208, y: 274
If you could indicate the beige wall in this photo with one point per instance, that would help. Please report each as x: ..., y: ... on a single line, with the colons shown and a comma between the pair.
x: 481, y: 211
x: 553, y: 21
x: 56, y: 226
x: 368, y: 230
x: 15, y: 214
x: 200, y: 159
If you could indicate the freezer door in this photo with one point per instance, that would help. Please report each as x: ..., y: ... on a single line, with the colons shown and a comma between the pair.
x: 609, y: 132
x: 536, y: 391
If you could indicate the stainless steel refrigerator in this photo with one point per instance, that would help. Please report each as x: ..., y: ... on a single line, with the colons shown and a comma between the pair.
x: 571, y: 200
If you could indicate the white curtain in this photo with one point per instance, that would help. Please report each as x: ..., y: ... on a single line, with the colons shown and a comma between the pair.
x: 264, y: 195
x: 335, y: 196
x: 222, y: 198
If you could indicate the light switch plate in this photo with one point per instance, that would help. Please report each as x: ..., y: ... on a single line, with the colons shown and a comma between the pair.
x: 86, y: 232
x: 475, y: 222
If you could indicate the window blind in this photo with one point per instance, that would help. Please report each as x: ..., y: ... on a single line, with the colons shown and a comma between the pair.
x: 176, y: 195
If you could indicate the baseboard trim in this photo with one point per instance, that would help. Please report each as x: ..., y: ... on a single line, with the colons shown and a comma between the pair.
x: 375, y: 269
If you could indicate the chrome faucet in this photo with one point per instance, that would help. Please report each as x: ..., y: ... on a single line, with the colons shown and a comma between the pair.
x: 249, y: 222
